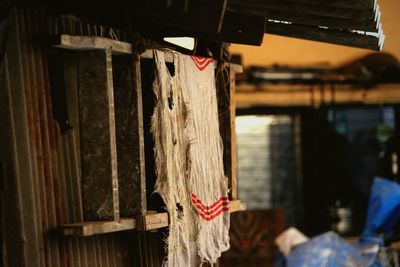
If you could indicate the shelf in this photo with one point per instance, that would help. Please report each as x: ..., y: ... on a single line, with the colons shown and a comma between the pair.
x: 236, y: 205
x: 73, y: 42
x: 95, y: 228
x: 286, y: 95
x: 149, y: 222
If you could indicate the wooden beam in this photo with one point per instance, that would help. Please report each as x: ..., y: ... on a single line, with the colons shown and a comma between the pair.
x: 149, y: 54
x: 305, y: 95
x: 236, y: 28
x: 148, y: 222
x: 226, y: 116
x: 233, y: 70
x: 85, y: 229
x: 236, y: 205
x: 152, y: 221
x: 83, y: 43
x: 347, y: 38
x: 139, y: 141
x: 129, y: 135
x: 98, y: 141
x: 236, y: 68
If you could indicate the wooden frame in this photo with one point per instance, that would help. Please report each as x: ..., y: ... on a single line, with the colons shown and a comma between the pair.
x: 95, y: 62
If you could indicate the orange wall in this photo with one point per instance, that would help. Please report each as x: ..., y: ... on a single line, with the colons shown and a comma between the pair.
x: 283, y: 50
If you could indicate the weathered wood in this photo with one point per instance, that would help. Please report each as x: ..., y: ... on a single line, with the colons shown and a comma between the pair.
x: 139, y: 140
x: 236, y: 28
x: 126, y: 136
x: 98, y: 142
x: 91, y: 43
x: 152, y: 221
x: 347, y: 38
x: 85, y: 229
x: 227, y: 113
x: 149, y: 54
x: 236, y: 68
x: 236, y: 205
x: 232, y: 126
x: 129, y: 136
x: 148, y: 222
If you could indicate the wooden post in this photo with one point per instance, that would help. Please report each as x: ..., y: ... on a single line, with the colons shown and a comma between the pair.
x: 232, y: 117
x: 98, y: 141
x: 227, y: 114
x: 140, y: 157
x: 129, y: 129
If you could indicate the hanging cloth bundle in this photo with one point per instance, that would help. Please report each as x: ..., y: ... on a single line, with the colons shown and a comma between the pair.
x: 189, y: 163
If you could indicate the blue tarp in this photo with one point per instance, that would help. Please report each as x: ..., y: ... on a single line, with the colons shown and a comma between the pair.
x: 329, y: 250
x: 326, y: 250
x: 383, y: 209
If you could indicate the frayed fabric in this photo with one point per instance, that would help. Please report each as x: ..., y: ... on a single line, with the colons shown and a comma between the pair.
x: 189, y: 160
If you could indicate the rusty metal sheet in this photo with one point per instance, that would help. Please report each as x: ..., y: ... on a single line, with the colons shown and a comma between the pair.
x: 43, y: 185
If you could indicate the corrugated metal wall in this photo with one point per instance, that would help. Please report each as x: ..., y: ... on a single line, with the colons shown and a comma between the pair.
x: 266, y: 163
x: 41, y: 167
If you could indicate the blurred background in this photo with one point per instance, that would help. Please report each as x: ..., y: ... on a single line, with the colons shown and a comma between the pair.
x: 315, y: 124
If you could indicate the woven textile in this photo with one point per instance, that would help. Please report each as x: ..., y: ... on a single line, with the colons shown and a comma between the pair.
x: 189, y: 164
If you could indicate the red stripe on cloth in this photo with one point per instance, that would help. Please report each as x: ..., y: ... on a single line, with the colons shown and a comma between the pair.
x: 209, y: 218
x: 212, y: 211
x: 197, y: 201
x: 205, y: 208
x: 205, y: 211
x: 201, y: 62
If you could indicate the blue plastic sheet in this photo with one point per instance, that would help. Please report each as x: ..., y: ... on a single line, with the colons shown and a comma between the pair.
x: 329, y: 250
x: 383, y: 209
x: 326, y: 250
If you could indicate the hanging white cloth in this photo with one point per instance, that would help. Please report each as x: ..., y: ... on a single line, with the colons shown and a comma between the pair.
x: 189, y: 160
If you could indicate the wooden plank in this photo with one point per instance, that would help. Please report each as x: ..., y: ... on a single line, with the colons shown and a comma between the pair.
x: 236, y: 205
x: 346, y: 38
x: 149, y: 54
x: 84, y: 229
x: 152, y: 221
x: 128, y: 169
x: 148, y: 222
x: 223, y: 77
x: 129, y: 136
x: 227, y: 113
x: 232, y: 126
x: 91, y: 43
x: 139, y: 140
x: 236, y: 68
x: 98, y: 141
